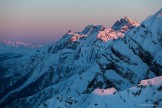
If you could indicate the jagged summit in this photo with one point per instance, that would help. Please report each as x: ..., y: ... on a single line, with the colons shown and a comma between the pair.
x: 92, y: 28
x: 124, y: 24
x: 129, y: 20
x: 93, y: 32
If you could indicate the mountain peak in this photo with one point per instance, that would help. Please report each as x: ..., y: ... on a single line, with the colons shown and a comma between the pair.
x: 93, y: 28
x: 124, y: 24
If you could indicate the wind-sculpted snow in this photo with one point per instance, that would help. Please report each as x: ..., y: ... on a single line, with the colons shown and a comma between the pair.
x: 93, y: 68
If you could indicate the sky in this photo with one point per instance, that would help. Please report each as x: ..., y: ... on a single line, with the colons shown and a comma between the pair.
x: 46, y: 21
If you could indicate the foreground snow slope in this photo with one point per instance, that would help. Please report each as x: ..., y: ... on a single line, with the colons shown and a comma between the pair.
x: 148, y: 93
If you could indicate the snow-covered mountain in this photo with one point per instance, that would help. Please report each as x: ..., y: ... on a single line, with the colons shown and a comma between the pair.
x: 93, y: 68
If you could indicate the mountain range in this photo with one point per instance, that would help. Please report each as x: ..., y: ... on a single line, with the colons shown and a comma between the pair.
x: 99, y: 67
x: 10, y: 49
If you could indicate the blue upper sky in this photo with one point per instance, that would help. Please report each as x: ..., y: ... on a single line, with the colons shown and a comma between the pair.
x: 45, y: 21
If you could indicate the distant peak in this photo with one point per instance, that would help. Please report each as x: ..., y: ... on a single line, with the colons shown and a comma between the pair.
x: 20, y: 44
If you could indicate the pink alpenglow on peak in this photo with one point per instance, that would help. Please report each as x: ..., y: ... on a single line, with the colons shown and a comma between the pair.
x: 109, y: 34
x: 100, y: 32
x: 109, y: 91
x: 131, y: 21
x: 124, y: 24
x: 76, y: 37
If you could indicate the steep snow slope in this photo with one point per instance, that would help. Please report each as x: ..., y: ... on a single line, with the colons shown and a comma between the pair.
x: 80, y: 65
